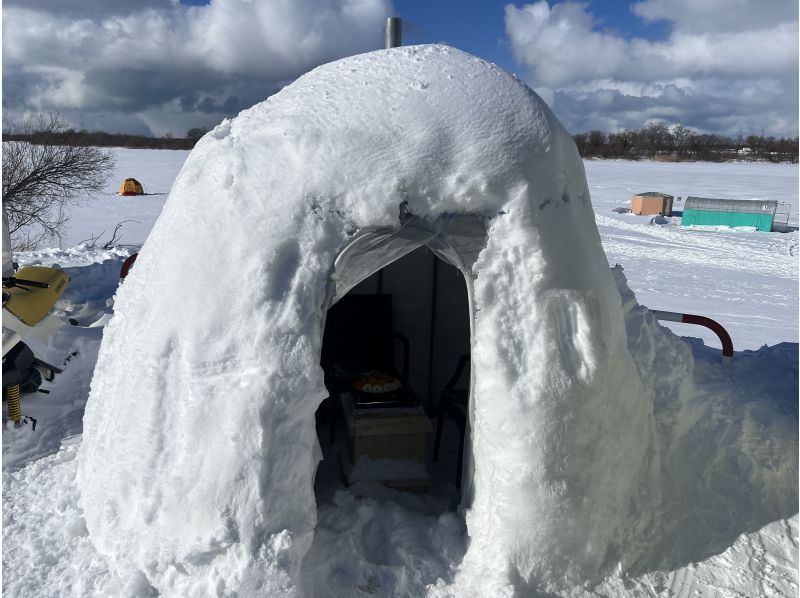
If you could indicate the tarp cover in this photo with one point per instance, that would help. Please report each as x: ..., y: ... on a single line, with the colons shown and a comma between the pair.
x: 457, y: 240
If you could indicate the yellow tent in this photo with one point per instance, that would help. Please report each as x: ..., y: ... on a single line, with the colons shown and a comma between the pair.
x: 130, y: 187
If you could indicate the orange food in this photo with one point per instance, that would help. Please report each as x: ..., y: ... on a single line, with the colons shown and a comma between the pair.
x: 376, y: 382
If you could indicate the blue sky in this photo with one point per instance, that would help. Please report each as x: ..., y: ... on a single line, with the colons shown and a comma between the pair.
x: 153, y: 66
x: 478, y: 27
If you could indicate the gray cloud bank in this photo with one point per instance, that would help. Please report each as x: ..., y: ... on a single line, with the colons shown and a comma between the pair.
x: 727, y: 66
x: 158, y: 66
x: 152, y: 66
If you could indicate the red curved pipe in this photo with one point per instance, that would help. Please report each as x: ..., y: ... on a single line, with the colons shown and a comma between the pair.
x: 714, y: 326
x: 126, y: 266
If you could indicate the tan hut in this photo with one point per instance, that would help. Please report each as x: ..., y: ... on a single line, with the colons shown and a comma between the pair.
x: 130, y: 187
x: 652, y: 202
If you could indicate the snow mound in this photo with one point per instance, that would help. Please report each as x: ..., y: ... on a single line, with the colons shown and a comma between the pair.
x: 197, y: 465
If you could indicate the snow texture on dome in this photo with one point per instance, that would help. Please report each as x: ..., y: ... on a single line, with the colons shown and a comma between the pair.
x: 199, y: 451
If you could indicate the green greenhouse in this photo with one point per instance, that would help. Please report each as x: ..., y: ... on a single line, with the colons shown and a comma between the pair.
x: 764, y: 215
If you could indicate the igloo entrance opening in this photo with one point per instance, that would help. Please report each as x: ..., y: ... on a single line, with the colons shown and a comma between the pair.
x: 408, y: 324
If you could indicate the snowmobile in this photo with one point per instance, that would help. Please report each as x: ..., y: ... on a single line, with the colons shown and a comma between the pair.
x: 29, y: 294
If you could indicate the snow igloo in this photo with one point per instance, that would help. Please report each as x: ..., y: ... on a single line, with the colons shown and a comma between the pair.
x: 200, y: 449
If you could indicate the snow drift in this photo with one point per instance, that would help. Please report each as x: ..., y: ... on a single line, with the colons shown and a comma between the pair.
x: 199, y: 450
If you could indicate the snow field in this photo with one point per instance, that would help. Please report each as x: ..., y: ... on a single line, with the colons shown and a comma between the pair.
x: 96, y: 217
x: 745, y: 280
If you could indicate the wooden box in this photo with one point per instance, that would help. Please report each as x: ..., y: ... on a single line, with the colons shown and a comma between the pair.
x: 390, y: 433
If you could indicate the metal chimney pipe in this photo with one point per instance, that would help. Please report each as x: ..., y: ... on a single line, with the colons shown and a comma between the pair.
x: 394, y: 32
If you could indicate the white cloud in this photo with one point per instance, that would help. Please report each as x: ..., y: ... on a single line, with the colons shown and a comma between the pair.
x: 206, y: 61
x: 706, y: 16
x: 726, y: 66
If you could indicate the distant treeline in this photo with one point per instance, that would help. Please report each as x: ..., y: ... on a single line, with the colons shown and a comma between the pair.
x: 101, y: 139
x: 657, y: 141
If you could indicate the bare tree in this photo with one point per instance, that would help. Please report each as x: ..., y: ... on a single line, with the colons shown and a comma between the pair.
x: 196, y: 133
x: 657, y: 136
x: 116, y: 237
x: 43, y: 176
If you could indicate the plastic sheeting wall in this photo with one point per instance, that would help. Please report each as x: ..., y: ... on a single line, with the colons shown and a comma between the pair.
x: 762, y: 222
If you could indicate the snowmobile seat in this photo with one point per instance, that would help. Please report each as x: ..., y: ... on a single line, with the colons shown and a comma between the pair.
x: 32, y: 302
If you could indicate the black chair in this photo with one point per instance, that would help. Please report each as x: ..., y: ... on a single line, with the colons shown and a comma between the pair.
x: 453, y: 402
x: 359, y: 337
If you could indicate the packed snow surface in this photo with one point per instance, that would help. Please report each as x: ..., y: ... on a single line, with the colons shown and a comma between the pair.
x: 606, y: 450
x: 745, y: 280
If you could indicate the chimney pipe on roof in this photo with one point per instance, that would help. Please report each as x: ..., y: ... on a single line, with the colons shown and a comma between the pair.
x: 394, y: 32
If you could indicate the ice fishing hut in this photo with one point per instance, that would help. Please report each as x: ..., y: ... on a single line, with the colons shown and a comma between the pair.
x: 763, y: 215
x: 443, y: 186
x: 652, y: 202
x: 130, y: 186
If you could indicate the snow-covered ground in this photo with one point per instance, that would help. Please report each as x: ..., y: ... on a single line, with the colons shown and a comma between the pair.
x: 745, y: 280
x: 373, y: 541
x: 97, y: 217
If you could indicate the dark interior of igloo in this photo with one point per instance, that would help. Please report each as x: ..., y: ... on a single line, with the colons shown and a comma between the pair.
x: 408, y: 322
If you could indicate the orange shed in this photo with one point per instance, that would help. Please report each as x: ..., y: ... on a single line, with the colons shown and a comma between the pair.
x: 652, y: 202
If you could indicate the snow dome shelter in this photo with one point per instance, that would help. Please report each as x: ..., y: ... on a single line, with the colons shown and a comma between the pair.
x: 200, y: 449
